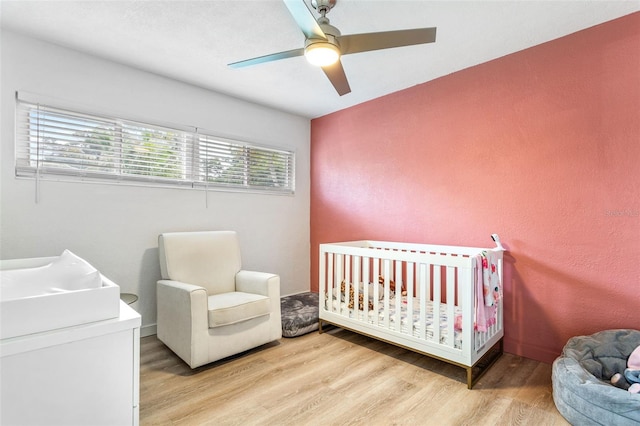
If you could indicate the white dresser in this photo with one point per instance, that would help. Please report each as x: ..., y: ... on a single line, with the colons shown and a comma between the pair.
x: 82, y: 375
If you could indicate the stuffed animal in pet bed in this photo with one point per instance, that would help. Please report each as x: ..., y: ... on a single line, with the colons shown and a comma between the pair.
x: 630, y: 379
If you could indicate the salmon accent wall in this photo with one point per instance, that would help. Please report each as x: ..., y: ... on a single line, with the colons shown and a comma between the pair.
x: 541, y: 147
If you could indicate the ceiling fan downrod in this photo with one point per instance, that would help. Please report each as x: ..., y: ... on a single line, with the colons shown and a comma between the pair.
x: 323, y: 6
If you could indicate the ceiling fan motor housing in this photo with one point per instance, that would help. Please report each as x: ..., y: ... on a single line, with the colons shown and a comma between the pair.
x: 330, y: 31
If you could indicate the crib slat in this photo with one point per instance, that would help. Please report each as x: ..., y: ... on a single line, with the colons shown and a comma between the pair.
x: 376, y: 291
x: 437, y: 297
x: 386, y: 272
x: 398, y: 295
x: 329, y: 283
x: 356, y: 285
x: 425, y: 279
x: 451, y: 302
x: 465, y: 279
x: 348, y: 283
x: 322, y: 281
x: 366, y: 280
x: 338, y: 279
x: 409, y: 288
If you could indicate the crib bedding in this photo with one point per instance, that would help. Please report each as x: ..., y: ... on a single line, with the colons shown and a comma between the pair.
x: 378, y: 318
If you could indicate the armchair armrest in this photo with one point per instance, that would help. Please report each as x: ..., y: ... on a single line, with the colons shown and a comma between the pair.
x: 267, y: 285
x: 182, y: 314
x: 182, y: 304
x: 262, y: 283
x: 178, y: 285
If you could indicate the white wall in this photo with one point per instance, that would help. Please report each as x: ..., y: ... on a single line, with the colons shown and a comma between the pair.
x: 115, y: 227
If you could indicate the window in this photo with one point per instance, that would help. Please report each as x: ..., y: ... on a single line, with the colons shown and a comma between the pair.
x: 59, y: 143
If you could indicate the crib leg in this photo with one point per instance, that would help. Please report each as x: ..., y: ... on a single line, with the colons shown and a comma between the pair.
x: 469, y: 377
x: 327, y: 326
x: 485, y: 363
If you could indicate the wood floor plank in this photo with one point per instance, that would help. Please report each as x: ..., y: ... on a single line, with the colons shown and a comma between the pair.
x: 339, y: 378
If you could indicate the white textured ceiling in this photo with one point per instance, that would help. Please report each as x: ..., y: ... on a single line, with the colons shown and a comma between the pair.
x: 193, y: 41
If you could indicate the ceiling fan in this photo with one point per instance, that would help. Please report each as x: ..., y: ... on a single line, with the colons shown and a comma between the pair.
x: 324, y: 44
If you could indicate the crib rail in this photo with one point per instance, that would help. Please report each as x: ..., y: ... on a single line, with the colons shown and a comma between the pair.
x: 414, y: 295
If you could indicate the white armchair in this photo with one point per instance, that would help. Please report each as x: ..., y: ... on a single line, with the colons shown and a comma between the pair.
x: 208, y: 308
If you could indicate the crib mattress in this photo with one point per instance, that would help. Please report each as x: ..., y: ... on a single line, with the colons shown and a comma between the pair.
x: 409, y: 322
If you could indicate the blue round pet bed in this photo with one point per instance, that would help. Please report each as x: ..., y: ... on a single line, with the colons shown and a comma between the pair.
x: 581, y: 377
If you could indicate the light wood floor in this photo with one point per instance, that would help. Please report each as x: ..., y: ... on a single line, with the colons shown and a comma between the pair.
x: 339, y: 378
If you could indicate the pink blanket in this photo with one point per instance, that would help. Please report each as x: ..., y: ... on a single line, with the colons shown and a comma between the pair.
x: 487, y: 291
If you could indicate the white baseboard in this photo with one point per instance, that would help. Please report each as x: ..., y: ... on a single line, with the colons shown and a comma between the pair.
x: 148, y: 330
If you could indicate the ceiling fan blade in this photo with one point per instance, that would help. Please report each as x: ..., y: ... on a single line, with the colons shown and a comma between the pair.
x: 268, y: 58
x: 337, y: 77
x: 356, y: 43
x: 304, y: 18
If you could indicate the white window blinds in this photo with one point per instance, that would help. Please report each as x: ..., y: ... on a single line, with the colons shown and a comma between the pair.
x: 232, y: 164
x: 58, y: 143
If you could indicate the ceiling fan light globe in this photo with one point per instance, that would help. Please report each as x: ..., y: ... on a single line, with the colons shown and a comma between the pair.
x: 322, y: 54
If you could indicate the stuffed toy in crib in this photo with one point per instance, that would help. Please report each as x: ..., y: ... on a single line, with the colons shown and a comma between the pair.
x: 360, y: 296
x: 630, y: 379
x: 392, y: 286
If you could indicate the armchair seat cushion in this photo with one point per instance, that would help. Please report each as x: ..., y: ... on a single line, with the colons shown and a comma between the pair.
x: 236, y: 306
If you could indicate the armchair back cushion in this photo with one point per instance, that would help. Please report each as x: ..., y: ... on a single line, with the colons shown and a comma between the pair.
x: 209, y: 259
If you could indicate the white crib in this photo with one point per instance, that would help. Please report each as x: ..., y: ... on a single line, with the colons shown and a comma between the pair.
x: 434, y: 316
